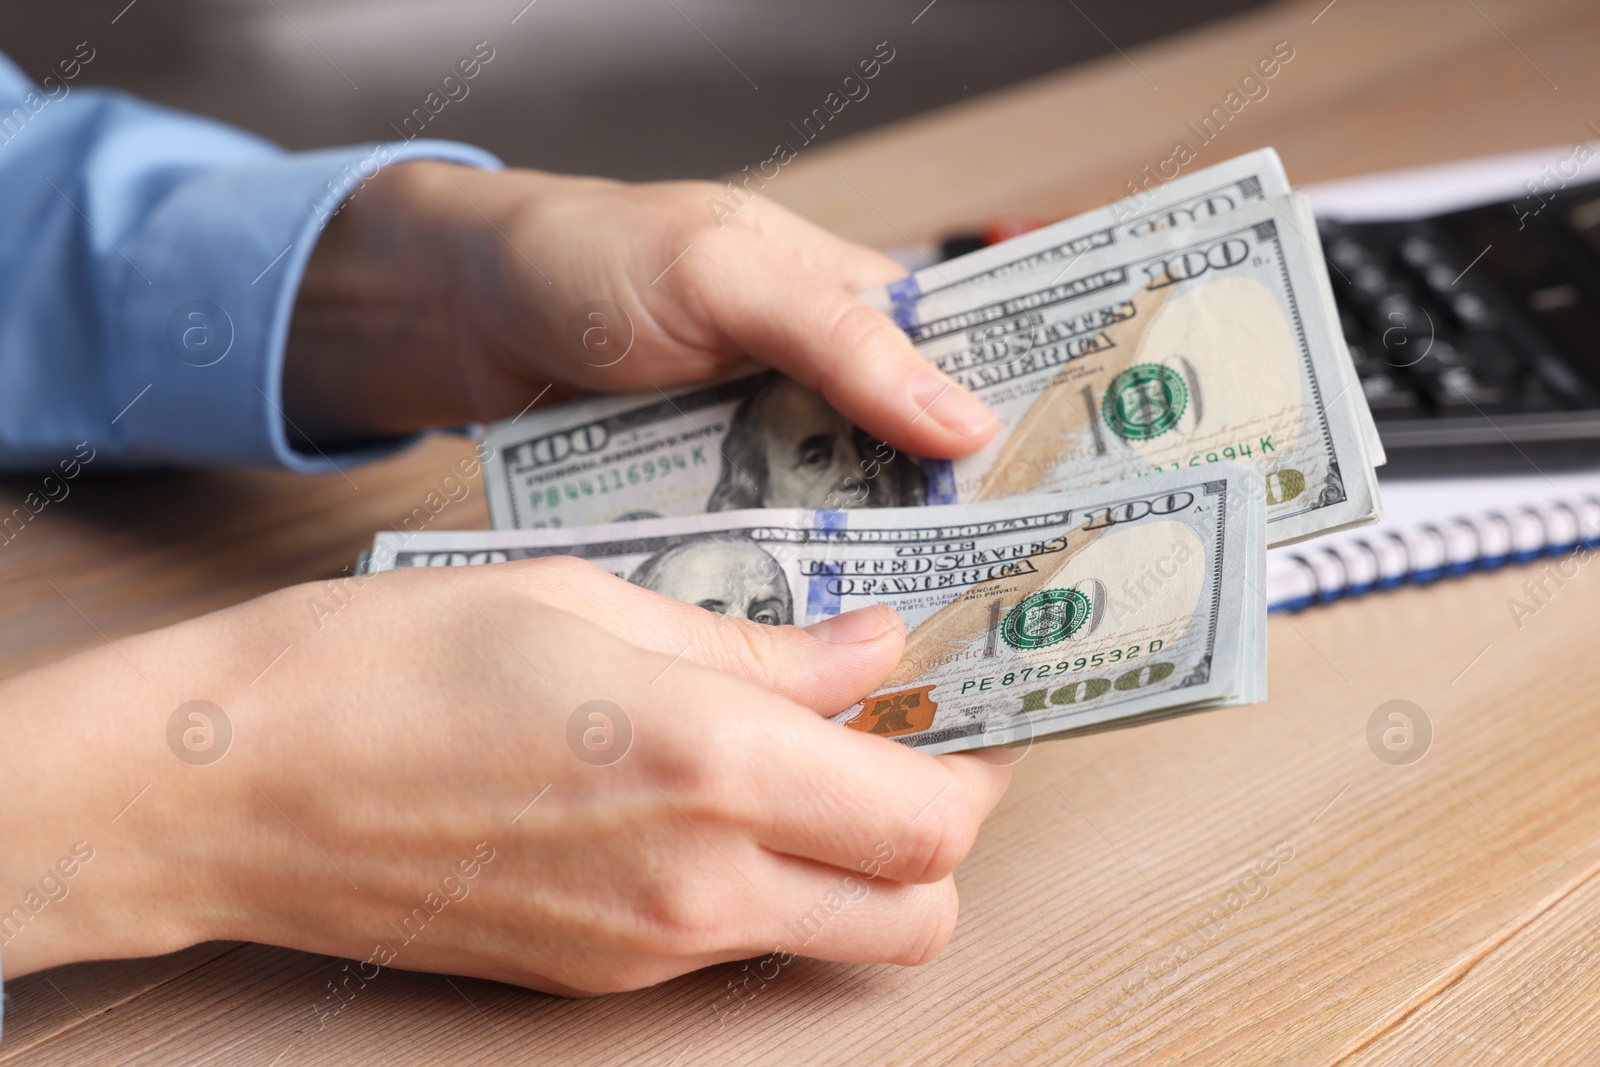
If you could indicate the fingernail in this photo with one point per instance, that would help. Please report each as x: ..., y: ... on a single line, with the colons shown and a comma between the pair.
x: 942, y: 400
x: 863, y: 624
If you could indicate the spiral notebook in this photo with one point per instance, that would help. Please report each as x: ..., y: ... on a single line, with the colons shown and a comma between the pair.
x: 1437, y: 529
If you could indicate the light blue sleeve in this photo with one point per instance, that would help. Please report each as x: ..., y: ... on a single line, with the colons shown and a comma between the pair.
x: 148, y: 267
x: 149, y: 262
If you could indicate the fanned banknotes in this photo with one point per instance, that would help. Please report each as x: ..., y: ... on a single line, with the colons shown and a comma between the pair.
x: 1174, y: 332
x: 1037, y: 615
x: 1198, y: 197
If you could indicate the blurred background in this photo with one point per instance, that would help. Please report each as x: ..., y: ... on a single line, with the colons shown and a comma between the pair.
x: 635, y: 89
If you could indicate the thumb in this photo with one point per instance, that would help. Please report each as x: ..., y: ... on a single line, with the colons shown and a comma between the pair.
x: 828, y: 341
x: 827, y: 666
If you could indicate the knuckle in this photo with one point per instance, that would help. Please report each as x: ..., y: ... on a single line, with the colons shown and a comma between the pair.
x: 675, y: 212
x: 938, y: 925
x: 688, y: 204
x: 927, y: 853
x: 559, y: 570
x: 686, y: 773
x: 939, y: 846
x: 855, y: 325
x: 551, y: 580
x: 751, y: 650
x: 735, y: 206
x: 703, y: 776
x: 692, y: 194
x: 853, y: 331
x: 724, y: 255
x: 564, y: 581
x: 701, y: 275
x: 681, y: 920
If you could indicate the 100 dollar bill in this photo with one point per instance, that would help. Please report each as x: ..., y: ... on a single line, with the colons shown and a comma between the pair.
x: 1198, y: 197
x: 1211, y: 342
x: 1192, y: 345
x: 1031, y: 616
x: 1024, y: 279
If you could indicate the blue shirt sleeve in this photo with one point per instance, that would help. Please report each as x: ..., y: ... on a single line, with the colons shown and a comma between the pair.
x: 149, y: 262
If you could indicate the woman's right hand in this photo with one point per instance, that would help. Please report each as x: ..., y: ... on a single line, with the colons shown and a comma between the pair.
x: 391, y: 734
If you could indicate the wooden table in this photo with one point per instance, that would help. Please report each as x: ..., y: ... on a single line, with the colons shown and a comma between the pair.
x: 1442, y: 911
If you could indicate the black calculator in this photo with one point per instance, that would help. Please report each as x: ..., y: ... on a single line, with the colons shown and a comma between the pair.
x: 1476, y: 334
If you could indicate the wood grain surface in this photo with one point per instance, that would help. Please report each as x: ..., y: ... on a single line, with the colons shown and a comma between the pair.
x: 1244, y: 886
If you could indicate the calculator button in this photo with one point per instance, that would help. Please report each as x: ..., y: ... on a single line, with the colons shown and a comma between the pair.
x: 1386, y: 395
x: 1456, y: 390
x: 1474, y: 311
x: 1370, y: 281
x: 1401, y: 312
x: 1445, y: 354
x: 1440, y: 278
x: 1419, y: 252
x: 1349, y: 253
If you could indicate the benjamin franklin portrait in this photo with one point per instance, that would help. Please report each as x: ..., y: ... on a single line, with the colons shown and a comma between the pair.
x: 721, y: 574
x: 786, y: 448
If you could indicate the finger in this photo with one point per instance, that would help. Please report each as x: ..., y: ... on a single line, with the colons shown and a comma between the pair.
x: 847, y: 917
x: 874, y: 796
x: 811, y: 789
x: 852, y: 266
x: 804, y: 787
x: 821, y: 912
x: 773, y: 911
x: 825, y: 339
x: 826, y: 667
x: 984, y: 780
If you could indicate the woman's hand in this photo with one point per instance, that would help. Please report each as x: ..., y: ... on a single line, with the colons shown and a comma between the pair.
x: 418, y: 776
x: 443, y: 294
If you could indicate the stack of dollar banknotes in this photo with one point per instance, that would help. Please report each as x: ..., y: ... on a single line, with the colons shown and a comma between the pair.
x: 1175, y: 396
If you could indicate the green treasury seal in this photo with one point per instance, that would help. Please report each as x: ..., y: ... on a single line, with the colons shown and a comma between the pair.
x: 1045, y: 618
x: 1144, y: 401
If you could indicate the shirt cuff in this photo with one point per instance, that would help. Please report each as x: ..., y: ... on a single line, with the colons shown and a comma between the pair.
x: 204, y: 324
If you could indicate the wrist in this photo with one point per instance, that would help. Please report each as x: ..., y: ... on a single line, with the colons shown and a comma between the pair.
x: 122, y: 812
x: 377, y: 344
x: 81, y: 874
x: 425, y: 305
